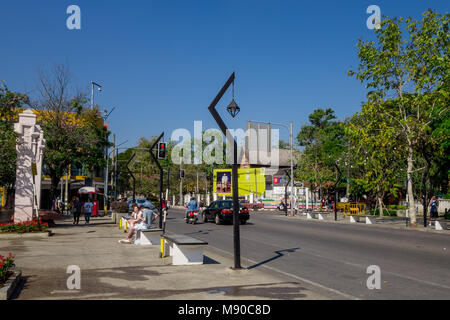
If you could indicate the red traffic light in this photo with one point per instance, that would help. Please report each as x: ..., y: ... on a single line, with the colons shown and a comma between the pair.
x: 162, y: 150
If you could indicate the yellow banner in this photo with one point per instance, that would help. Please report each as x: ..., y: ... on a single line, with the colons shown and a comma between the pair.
x: 249, y: 181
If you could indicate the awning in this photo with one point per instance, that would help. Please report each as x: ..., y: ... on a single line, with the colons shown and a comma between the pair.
x: 87, y: 190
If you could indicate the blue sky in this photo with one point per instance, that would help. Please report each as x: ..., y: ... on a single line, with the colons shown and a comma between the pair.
x: 162, y: 62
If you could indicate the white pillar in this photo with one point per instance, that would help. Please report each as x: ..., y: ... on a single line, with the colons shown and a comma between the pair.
x: 29, y: 150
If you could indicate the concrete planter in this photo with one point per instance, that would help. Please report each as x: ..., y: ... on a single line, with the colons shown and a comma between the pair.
x: 10, y: 285
x: 113, y: 216
x: 119, y: 216
x: 15, y: 236
x: 401, y: 213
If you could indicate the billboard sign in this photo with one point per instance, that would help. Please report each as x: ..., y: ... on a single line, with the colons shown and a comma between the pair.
x: 249, y: 181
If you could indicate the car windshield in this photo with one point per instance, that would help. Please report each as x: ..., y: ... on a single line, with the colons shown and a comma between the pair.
x: 228, y: 204
x: 141, y: 200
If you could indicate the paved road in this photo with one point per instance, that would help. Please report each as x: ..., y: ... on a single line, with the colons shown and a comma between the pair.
x: 414, y: 264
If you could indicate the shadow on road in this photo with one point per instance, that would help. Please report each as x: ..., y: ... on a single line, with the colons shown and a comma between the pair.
x: 279, y: 254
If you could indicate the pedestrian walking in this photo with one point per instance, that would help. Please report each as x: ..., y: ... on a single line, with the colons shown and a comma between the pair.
x: 87, y: 210
x: 76, y: 209
x: 434, y: 205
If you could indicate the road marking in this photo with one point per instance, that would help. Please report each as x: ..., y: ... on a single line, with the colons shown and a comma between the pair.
x: 298, y: 278
x: 405, y: 277
x: 333, y: 260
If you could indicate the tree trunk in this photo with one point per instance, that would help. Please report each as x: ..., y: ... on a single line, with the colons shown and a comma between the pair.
x: 53, y: 186
x: 425, y: 192
x: 380, y: 205
x: 411, y: 203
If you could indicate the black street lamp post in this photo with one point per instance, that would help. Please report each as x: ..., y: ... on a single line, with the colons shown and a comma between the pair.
x: 233, y: 109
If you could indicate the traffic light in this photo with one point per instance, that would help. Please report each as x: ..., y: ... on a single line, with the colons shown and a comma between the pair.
x: 161, y: 150
x: 181, y: 174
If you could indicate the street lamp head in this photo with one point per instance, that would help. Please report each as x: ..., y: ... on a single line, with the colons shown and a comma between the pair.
x: 233, y: 109
x: 99, y: 88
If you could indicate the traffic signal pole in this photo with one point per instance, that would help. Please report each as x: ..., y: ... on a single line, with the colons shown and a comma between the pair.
x: 161, y: 177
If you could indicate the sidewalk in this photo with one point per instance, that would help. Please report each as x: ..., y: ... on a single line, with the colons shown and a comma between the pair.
x: 110, y: 270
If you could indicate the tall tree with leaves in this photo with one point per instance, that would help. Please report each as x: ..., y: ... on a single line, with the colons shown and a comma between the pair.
x: 10, y: 105
x: 324, y: 143
x: 412, y: 71
x: 73, y: 132
x: 376, y: 148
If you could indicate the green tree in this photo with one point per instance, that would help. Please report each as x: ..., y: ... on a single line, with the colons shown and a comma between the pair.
x: 411, y: 71
x: 10, y: 104
x: 323, y: 142
x: 73, y: 132
x: 376, y: 148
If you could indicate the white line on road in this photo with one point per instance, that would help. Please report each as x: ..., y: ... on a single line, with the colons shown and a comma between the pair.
x: 298, y: 278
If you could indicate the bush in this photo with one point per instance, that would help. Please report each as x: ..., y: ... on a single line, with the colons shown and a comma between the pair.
x: 6, y: 264
x: 396, y: 207
x: 24, y: 227
x: 389, y: 213
x: 119, y: 207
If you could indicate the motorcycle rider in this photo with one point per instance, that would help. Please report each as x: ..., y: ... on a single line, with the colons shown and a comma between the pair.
x: 192, y: 206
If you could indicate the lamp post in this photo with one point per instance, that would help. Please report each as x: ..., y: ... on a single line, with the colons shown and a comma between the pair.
x: 233, y: 109
x: 105, y: 179
x: 93, y: 84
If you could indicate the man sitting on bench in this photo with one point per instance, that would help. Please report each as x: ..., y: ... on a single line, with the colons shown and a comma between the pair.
x: 143, y: 222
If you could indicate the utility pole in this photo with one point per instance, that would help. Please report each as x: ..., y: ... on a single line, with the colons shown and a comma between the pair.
x: 181, y: 188
x: 92, y: 92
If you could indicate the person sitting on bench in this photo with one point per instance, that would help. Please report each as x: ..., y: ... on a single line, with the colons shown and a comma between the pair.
x: 134, y: 215
x: 143, y: 222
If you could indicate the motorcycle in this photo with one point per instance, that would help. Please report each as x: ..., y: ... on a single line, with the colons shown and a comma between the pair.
x: 192, y: 217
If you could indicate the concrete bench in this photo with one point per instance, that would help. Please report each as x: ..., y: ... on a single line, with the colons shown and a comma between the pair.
x: 183, y: 249
x: 369, y: 219
x: 441, y: 225
x: 149, y: 237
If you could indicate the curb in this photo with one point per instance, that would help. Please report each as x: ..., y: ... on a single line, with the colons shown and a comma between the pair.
x: 13, y: 236
x: 10, y: 285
